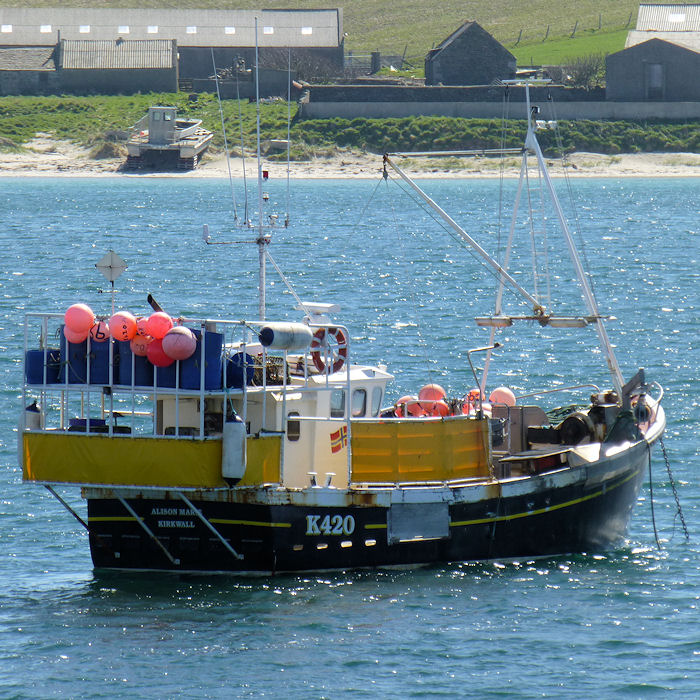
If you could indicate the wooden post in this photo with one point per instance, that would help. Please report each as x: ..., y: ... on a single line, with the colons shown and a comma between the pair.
x: 546, y: 34
x: 573, y: 34
x: 519, y: 37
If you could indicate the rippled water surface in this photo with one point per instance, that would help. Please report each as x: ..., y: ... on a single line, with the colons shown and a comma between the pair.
x: 624, y: 624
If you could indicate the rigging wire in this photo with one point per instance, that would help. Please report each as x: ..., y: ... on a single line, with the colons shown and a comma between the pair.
x: 289, y: 127
x: 570, y: 193
x: 223, y: 130
x: 431, y: 214
x: 285, y: 280
x: 246, y: 218
x: 412, y: 295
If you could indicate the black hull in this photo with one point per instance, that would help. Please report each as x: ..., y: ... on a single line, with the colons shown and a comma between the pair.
x: 574, y: 510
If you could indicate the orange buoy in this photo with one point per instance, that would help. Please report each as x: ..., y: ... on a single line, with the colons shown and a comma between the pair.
x: 429, y: 394
x: 74, y: 336
x: 79, y: 318
x: 502, y: 395
x: 139, y: 344
x: 122, y: 325
x: 158, y: 324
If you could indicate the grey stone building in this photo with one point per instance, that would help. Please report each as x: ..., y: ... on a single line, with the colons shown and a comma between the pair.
x: 661, y: 57
x: 654, y: 70
x: 469, y: 56
x: 311, y: 35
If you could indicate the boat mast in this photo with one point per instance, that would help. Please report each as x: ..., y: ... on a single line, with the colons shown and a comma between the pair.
x: 261, y: 240
x: 532, y: 143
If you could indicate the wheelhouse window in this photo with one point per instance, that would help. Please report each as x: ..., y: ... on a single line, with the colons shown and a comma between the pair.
x: 338, y: 403
x: 359, y: 403
x: 293, y: 426
x: 376, y: 400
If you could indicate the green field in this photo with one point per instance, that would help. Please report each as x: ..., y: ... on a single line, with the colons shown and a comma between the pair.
x: 410, y: 27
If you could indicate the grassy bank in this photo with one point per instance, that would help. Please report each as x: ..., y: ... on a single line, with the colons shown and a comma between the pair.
x: 96, y: 121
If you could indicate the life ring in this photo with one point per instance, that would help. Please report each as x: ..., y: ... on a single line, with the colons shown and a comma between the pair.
x: 337, y: 354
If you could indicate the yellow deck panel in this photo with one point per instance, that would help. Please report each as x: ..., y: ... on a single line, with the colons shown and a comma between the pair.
x: 415, y: 450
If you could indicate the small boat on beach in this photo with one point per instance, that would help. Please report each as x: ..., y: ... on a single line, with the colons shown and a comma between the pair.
x: 255, y: 446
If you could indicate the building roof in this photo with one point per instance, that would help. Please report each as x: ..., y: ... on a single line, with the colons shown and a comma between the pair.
x: 668, y: 18
x: 27, y: 58
x: 466, y: 27
x: 84, y: 54
x: 37, y: 26
x: 674, y: 23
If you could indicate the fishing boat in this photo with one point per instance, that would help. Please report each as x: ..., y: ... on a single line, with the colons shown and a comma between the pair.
x: 257, y: 446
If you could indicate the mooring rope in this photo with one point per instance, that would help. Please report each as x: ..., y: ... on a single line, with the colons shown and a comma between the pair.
x: 672, y: 481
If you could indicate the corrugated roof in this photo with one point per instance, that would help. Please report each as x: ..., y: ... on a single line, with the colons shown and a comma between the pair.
x: 156, y: 53
x: 668, y: 18
x: 28, y: 26
x: 688, y: 40
x: 21, y: 58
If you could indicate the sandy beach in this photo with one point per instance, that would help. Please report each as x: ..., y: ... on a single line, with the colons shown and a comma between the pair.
x: 44, y: 156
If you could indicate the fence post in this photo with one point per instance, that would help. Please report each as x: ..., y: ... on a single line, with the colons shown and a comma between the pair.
x: 573, y: 34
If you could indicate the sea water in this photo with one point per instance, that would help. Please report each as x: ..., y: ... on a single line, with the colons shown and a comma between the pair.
x: 624, y: 623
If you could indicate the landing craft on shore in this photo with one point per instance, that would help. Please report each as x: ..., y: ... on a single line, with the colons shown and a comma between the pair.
x: 162, y: 140
x: 270, y: 448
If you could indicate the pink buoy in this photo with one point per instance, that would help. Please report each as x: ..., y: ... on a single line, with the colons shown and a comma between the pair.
x: 79, y: 318
x: 410, y: 405
x: 99, y: 332
x: 432, y: 392
x: 74, y: 336
x: 139, y: 344
x: 502, y: 395
x: 439, y: 408
x: 122, y: 325
x: 158, y: 324
x: 429, y: 394
x: 155, y: 354
x: 471, y: 401
x: 141, y: 322
x: 179, y: 343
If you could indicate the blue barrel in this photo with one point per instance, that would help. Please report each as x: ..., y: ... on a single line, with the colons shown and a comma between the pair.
x: 74, y: 361
x: 99, y: 362
x: 235, y: 368
x: 166, y: 376
x: 190, y: 369
x: 143, y: 369
x: 34, y: 365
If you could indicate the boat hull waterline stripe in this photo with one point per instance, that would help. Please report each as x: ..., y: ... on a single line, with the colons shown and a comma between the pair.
x: 383, y: 526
